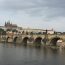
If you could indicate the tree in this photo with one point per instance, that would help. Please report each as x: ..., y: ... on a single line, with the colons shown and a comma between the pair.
x: 2, y: 32
x: 8, y: 30
x: 31, y: 33
x: 14, y: 30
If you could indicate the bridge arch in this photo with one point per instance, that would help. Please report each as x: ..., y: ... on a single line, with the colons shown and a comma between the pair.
x: 37, y: 41
x: 24, y: 40
x: 54, y: 40
x: 15, y: 39
x: 8, y: 39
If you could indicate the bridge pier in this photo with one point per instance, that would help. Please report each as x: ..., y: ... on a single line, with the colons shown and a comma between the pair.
x: 40, y: 40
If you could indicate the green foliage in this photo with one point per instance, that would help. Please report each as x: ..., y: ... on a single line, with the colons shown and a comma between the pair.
x: 31, y: 33
x: 14, y: 30
x: 8, y: 30
x: 2, y: 32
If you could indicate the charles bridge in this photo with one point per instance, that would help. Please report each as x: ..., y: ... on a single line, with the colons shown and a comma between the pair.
x: 29, y: 36
x: 45, y: 39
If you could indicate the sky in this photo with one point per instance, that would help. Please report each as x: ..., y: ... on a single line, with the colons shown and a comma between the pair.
x: 39, y: 14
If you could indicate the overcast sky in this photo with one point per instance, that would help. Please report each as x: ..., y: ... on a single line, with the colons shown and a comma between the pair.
x: 45, y: 14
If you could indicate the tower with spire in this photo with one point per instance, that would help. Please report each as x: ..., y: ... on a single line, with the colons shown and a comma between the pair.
x: 9, y: 25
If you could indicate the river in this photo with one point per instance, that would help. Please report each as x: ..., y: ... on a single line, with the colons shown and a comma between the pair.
x: 11, y: 54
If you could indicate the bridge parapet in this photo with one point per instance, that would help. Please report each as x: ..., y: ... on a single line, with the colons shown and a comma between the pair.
x: 38, y: 38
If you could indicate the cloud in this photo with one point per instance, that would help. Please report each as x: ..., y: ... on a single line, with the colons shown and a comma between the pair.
x: 42, y: 13
x: 45, y: 8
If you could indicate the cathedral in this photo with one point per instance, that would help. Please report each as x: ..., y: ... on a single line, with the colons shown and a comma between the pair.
x: 9, y: 25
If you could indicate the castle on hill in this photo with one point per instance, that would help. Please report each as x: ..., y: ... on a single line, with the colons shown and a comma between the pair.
x: 9, y: 25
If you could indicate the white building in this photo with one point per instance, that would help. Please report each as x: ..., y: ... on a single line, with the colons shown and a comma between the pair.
x: 50, y: 31
x: 29, y: 30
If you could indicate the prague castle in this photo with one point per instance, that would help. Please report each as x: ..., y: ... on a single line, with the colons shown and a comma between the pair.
x: 10, y: 26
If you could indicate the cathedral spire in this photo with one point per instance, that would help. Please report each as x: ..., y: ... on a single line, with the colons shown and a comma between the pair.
x: 5, y: 23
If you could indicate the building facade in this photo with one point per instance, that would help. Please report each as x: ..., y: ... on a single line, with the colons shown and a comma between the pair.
x: 12, y: 27
x: 9, y: 25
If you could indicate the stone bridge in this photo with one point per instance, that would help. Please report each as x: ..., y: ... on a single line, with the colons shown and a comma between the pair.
x: 34, y: 39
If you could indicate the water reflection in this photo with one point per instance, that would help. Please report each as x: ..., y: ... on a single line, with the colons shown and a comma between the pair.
x: 16, y: 54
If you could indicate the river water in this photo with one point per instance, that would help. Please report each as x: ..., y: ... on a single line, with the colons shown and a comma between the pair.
x: 11, y: 54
